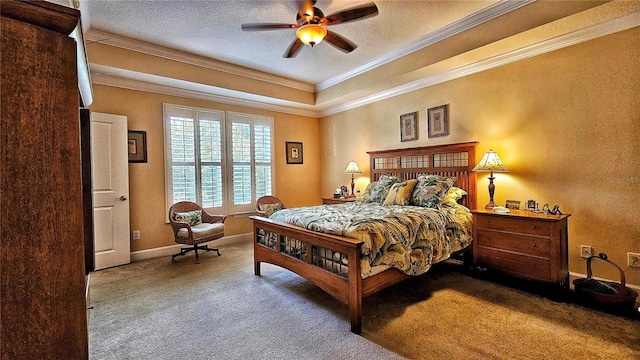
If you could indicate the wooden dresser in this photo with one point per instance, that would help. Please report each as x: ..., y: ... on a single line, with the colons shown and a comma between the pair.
x: 331, y: 201
x: 523, y: 244
x: 42, y: 264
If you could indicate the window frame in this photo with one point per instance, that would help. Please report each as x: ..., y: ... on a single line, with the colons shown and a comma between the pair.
x: 226, y: 124
x: 253, y: 120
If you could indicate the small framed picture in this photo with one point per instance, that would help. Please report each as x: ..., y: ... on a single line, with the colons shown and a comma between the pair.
x: 532, y: 205
x: 294, y: 152
x: 438, y: 121
x: 409, y: 126
x: 137, y: 146
x: 513, y: 204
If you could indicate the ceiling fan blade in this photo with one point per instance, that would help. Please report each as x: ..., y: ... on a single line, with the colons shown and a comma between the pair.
x: 293, y: 49
x: 266, y: 26
x: 340, y: 42
x: 357, y: 13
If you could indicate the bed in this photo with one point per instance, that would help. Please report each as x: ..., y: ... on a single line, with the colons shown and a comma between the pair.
x: 332, y: 261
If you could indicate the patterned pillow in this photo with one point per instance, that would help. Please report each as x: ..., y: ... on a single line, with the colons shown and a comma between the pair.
x: 269, y: 209
x: 377, y: 191
x: 431, y: 190
x: 192, y: 217
x: 400, y: 193
x: 453, y: 195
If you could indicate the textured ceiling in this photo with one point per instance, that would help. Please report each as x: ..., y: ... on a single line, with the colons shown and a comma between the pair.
x: 212, y: 29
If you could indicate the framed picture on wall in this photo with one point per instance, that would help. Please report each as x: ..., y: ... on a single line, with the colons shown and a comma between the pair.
x: 294, y: 152
x: 438, y: 121
x: 137, y: 146
x: 409, y: 126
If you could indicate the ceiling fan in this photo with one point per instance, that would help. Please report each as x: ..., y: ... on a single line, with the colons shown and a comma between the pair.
x: 311, y: 24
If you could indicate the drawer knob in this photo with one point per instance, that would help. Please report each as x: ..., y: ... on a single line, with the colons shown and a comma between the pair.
x: 534, y: 227
x: 534, y: 265
x: 534, y: 245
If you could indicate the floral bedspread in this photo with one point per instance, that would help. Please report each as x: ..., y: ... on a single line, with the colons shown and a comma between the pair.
x: 409, y: 238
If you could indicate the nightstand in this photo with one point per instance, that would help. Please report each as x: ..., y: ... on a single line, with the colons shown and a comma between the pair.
x: 333, y: 201
x: 522, y: 244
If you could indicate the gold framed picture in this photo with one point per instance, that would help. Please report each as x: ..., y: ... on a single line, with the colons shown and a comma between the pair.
x: 409, y: 126
x: 137, y: 146
x: 294, y: 152
x: 438, y: 121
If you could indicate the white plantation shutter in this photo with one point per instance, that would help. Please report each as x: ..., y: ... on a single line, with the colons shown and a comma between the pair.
x: 262, y: 159
x: 201, y: 168
x: 251, y: 163
x: 210, y: 150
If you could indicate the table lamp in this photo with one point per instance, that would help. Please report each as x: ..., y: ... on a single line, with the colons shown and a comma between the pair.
x: 352, y: 168
x: 490, y: 162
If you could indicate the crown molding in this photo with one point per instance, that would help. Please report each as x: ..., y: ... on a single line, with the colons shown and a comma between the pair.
x: 98, y: 36
x: 593, y: 32
x: 480, y: 17
x: 104, y: 75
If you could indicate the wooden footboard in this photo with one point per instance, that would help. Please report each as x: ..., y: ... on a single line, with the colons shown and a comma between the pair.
x: 330, y: 262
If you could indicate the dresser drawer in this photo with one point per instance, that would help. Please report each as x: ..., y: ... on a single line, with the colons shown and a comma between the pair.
x: 521, y: 265
x: 524, y: 244
x: 515, y: 225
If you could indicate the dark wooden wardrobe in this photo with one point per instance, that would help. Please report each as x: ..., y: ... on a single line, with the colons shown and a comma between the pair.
x: 43, y: 276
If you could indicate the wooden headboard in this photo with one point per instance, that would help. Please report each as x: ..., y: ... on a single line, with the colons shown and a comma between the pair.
x: 452, y: 160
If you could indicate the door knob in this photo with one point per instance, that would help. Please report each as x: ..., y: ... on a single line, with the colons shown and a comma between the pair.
x: 122, y: 198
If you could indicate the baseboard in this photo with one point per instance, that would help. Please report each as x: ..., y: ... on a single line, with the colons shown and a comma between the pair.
x: 172, y: 249
x: 575, y: 275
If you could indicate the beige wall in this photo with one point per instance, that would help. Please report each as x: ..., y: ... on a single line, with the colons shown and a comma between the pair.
x: 296, y: 185
x: 566, y: 124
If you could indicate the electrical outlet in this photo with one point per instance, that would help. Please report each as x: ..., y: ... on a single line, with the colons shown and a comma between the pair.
x: 633, y: 260
x: 585, y: 251
x: 136, y: 234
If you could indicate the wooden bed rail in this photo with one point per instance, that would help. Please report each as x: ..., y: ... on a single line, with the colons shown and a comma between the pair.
x: 305, y: 253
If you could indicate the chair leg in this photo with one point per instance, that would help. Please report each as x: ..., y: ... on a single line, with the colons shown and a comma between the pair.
x: 195, y: 248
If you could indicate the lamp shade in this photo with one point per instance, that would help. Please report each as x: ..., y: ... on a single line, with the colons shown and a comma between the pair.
x: 311, y: 34
x: 490, y: 162
x: 352, y: 168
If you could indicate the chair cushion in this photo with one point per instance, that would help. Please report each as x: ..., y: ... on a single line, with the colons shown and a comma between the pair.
x: 269, y: 209
x: 203, y: 230
x: 192, y: 217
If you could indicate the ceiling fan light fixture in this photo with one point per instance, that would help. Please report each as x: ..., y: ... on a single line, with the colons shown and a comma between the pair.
x: 311, y: 34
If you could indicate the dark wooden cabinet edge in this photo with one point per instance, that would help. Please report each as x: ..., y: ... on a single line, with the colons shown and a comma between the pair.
x: 87, y: 189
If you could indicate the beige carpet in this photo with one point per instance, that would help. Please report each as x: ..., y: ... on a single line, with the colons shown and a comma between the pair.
x: 155, y: 309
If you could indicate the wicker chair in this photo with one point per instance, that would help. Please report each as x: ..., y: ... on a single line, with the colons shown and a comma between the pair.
x: 210, y: 228
x: 267, y: 205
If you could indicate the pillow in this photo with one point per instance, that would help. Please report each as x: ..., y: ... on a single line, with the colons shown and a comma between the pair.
x: 377, y: 191
x: 400, y: 193
x: 453, y: 195
x: 192, y: 217
x: 431, y: 190
x: 366, y: 196
x: 269, y: 209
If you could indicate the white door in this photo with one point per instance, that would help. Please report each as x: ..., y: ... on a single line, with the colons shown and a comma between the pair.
x: 110, y: 171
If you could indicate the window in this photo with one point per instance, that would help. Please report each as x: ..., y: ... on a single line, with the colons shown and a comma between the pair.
x: 222, y: 161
